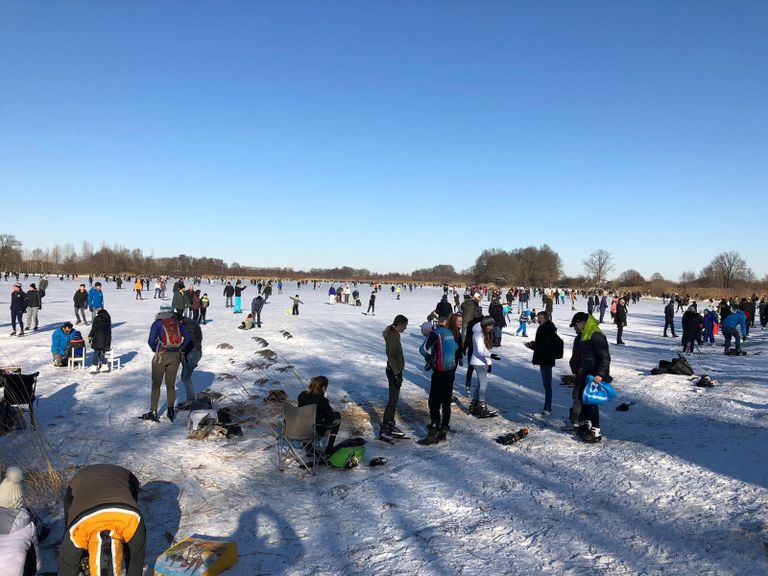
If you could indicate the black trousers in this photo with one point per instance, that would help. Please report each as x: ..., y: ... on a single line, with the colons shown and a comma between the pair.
x: 671, y: 325
x: 619, y: 331
x: 395, y: 381
x: 440, y: 394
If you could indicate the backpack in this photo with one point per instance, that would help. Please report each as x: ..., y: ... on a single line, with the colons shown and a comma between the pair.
x: 76, y: 346
x: 680, y: 366
x: 559, y: 347
x: 170, y: 338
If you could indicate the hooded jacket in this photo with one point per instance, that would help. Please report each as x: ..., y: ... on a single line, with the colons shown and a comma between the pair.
x: 593, y: 349
x: 101, y: 331
x: 481, y: 355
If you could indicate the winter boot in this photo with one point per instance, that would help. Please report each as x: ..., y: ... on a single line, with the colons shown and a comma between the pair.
x: 171, y: 413
x: 443, y: 434
x: 583, y: 429
x: 473, y: 407
x: 484, y: 412
x: 432, y: 436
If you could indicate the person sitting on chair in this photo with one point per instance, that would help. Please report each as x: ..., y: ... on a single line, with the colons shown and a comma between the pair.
x: 326, y: 419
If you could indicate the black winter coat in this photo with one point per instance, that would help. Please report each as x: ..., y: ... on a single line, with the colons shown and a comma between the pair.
x: 324, y: 412
x: 444, y: 308
x: 33, y: 299
x: 669, y: 311
x: 595, y: 357
x: 496, y: 311
x: 621, y: 315
x: 101, y: 331
x: 81, y: 299
x: 545, y: 345
x: 691, y: 323
x: 19, y: 300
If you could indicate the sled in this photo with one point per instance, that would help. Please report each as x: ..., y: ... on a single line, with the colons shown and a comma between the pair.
x: 197, y: 556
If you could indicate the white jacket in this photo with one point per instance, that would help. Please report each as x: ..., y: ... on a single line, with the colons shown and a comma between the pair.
x: 15, y: 544
x: 481, y: 356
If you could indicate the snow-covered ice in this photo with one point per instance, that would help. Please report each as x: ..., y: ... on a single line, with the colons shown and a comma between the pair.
x: 680, y: 485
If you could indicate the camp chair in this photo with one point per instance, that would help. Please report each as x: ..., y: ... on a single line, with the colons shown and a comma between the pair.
x: 298, y: 436
x: 19, y: 391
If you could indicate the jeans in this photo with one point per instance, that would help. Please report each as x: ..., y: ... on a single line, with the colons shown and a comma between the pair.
x: 78, y: 311
x: 440, y: 394
x: 188, y: 364
x: 497, y: 335
x: 671, y: 325
x: 157, y: 293
x: 395, y: 382
x: 546, y: 380
x: 478, y: 392
x: 602, y: 314
x: 99, y: 357
x: 17, y: 316
x: 94, y: 311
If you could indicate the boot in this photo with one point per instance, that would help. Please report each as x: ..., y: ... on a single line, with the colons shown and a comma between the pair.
x: 484, y: 412
x: 473, y: 407
x: 432, y: 436
x: 582, y: 430
x: 443, y: 434
x: 385, y: 433
x: 171, y: 413
x: 395, y: 431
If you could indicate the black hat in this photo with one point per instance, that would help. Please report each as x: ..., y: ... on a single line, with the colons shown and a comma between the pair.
x: 579, y: 317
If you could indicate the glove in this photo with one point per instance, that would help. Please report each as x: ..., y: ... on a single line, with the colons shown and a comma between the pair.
x: 490, y: 369
x: 495, y: 357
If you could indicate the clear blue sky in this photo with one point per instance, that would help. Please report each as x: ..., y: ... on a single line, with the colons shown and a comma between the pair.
x: 388, y: 135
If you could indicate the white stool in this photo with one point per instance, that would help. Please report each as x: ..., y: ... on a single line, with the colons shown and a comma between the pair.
x: 113, y: 361
x: 73, y: 360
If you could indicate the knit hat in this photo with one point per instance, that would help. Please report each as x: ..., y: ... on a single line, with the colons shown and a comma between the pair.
x: 11, y: 495
x: 487, y: 321
x: 426, y: 328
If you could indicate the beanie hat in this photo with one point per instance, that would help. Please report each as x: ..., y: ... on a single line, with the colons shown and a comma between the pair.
x: 487, y: 321
x: 426, y: 328
x: 11, y: 495
x: 33, y: 286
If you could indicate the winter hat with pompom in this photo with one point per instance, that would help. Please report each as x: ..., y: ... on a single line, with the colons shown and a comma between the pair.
x: 11, y: 495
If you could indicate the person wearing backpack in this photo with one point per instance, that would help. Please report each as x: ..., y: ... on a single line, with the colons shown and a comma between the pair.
x: 547, y: 347
x: 443, y: 348
x: 167, y: 338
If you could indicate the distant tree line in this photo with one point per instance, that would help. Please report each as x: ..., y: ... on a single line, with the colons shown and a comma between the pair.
x: 529, y: 266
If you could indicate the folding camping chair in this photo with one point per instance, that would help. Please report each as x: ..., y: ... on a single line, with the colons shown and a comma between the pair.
x: 19, y: 391
x: 298, y: 437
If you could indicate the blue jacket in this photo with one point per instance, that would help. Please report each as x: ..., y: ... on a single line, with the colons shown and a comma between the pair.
x: 95, y: 298
x: 710, y: 319
x: 736, y: 319
x: 157, y: 329
x: 59, y: 341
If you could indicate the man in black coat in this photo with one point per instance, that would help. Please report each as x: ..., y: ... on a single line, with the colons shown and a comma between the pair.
x: 595, y: 361
x: 621, y: 319
x: 669, y: 318
x: 496, y: 311
x: 547, y: 347
x: 692, y: 325
x: 444, y: 308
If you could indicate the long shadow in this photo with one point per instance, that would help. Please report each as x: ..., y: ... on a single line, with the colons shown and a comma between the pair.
x: 127, y: 357
x: 266, y: 542
x: 159, y: 504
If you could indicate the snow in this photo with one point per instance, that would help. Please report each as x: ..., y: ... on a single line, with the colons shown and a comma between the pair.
x: 679, y: 486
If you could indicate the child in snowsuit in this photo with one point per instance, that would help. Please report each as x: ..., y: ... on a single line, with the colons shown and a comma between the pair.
x: 525, y: 315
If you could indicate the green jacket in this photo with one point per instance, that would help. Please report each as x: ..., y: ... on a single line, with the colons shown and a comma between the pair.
x: 395, y: 360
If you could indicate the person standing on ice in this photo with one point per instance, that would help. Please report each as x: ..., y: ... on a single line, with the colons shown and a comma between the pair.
x: 603, y: 307
x: 256, y: 306
x: 18, y: 308
x: 331, y: 295
x: 34, y: 303
x: 372, y: 304
x: 296, y: 302
x: 482, y: 362
x: 546, y: 347
x: 191, y: 354
x: 80, y: 300
x: 239, y: 287
x: 669, y: 318
x: 594, y: 360
x: 620, y: 317
x: 95, y: 300
x: 229, y: 291
x: 394, y: 371
x: 167, y: 338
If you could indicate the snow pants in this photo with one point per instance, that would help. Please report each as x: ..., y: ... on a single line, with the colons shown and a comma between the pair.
x: 522, y: 327
x: 238, y: 305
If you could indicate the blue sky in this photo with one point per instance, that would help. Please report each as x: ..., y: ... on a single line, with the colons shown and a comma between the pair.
x: 388, y: 135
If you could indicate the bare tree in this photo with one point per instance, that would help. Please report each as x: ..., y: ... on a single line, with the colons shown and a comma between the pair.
x: 10, y: 252
x: 687, y: 277
x: 727, y: 269
x: 598, y: 265
x: 630, y: 277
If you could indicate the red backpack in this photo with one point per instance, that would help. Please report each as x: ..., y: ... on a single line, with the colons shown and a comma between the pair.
x: 171, y: 337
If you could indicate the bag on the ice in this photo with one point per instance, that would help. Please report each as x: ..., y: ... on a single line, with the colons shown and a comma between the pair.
x: 170, y: 338
x: 347, y: 457
x: 680, y: 366
x: 597, y: 393
x: 197, y: 556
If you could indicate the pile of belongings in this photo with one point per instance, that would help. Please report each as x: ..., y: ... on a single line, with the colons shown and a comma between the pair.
x: 677, y: 365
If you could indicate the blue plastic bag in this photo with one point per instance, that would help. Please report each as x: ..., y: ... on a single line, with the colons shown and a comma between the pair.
x: 597, y: 393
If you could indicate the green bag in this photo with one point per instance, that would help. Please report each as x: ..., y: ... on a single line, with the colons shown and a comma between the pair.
x: 347, y: 457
